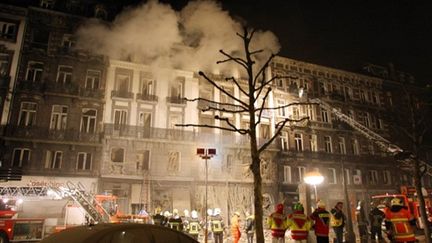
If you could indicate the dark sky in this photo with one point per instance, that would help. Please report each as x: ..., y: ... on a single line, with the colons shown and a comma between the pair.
x: 345, y: 34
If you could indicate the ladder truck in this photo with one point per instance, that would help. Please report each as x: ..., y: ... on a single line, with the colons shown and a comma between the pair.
x: 409, y: 199
x: 97, y: 208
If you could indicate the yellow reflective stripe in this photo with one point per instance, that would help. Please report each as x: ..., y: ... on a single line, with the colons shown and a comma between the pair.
x: 399, y: 219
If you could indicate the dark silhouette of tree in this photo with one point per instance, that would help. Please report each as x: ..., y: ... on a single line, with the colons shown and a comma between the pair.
x: 413, y: 126
x: 256, y: 87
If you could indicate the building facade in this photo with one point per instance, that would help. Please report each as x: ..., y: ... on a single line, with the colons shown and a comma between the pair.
x: 113, y: 124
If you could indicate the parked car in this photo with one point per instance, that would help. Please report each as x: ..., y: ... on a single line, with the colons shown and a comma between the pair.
x: 119, y: 233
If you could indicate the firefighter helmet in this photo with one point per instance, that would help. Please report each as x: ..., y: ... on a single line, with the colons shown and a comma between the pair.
x: 210, y: 212
x: 321, y: 204
x: 158, y: 210
x: 194, y: 214
x: 217, y: 211
x: 175, y: 211
x: 237, y: 213
x: 298, y: 207
x: 396, y: 202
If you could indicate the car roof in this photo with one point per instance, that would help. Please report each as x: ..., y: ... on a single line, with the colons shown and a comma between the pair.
x: 119, y: 233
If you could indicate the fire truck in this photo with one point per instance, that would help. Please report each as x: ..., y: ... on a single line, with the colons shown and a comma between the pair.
x: 91, y: 208
x: 408, y: 196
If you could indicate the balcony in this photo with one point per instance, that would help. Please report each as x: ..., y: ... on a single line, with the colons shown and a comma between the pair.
x: 61, y: 88
x: 44, y: 133
x: 176, y: 100
x: 147, y: 97
x: 122, y: 94
x: 91, y: 93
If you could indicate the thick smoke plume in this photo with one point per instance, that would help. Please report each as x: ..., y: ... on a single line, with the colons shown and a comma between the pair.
x: 157, y: 35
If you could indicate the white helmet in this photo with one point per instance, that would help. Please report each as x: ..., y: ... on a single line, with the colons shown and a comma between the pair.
x: 175, y: 211
x: 167, y: 214
x: 217, y: 211
x: 186, y: 213
x: 194, y: 214
x: 209, y: 212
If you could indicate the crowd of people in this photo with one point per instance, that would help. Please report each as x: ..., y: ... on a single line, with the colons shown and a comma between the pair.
x: 320, y: 221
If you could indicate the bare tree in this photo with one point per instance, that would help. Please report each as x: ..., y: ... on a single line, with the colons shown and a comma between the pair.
x: 414, y: 126
x: 256, y: 88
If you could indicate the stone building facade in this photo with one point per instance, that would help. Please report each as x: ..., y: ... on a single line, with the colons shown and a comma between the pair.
x: 112, y: 124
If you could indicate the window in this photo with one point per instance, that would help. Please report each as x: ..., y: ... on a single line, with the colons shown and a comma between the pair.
x: 357, y: 177
x: 301, y: 171
x: 284, y: 141
x: 355, y: 147
x: 342, y: 148
x: 287, y: 174
x: 386, y: 177
x: 64, y: 74
x: 347, y: 177
x: 21, y: 156
x: 122, y: 83
x: 147, y: 86
x: 143, y: 160
x: 92, y: 79
x: 68, y: 42
x: 27, y: 116
x: 331, y: 176
x: 84, y: 161
x: 8, y: 30
x: 311, y: 113
x: 313, y: 143
x: 324, y: 115
x: 295, y: 113
x: 298, y: 140
x: 53, y: 159
x: 373, y: 177
x: 145, y: 119
x: 88, y: 120
x: 34, y: 71
x: 58, y: 117
x: 281, y: 111
x: 117, y: 155
x: 176, y: 90
x: 265, y: 131
x: 177, y: 119
x: 328, y: 144
x: 120, y: 119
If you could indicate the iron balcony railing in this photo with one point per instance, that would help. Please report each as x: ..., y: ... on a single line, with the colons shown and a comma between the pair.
x: 147, y: 97
x: 37, y: 132
x: 63, y: 88
x: 176, y: 100
x: 92, y: 93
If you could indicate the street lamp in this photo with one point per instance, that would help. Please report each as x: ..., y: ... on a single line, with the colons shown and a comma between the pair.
x: 206, y: 154
x: 314, y: 178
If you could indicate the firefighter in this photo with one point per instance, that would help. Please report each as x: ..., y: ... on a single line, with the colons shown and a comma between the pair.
x: 321, y: 219
x: 217, y: 226
x: 185, y: 218
x: 158, y: 218
x: 277, y: 224
x: 235, y: 227
x: 175, y: 222
x: 398, y: 222
x: 299, y: 224
x: 362, y: 221
x: 376, y: 217
x: 250, y: 227
x: 194, y: 226
x: 337, y: 221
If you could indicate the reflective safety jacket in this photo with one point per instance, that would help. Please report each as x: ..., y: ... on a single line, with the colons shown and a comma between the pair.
x: 321, y: 218
x: 277, y: 223
x: 176, y: 223
x: 194, y: 227
x: 299, y: 224
x: 216, y: 224
x: 399, y: 221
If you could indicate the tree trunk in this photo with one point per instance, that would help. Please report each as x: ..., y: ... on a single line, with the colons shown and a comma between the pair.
x: 420, y: 199
x: 258, y: 200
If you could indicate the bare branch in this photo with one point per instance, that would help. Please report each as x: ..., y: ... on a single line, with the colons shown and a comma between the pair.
x: 288, y: 105
x: 231, y: 58
x: 256, y: 52
x: 263, y: 68
x: 234, y: 80
x: 262, y: 106
x: 220, y: 106
x: 221, y: 89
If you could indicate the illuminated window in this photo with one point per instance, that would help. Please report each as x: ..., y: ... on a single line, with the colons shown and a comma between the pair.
x: 298, y: 141
x: 286, y: 174
x: 313, y: 142
x: 342, y: 147
x: 284, y: 141
x: 328, y: 144
x: 355, y: 147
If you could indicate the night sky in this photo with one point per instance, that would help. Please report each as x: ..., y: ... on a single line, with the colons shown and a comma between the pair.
x: 345, y: 34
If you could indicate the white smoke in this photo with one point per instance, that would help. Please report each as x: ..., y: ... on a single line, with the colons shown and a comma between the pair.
x: 157, y: 35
